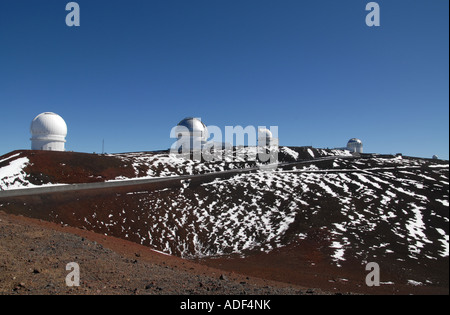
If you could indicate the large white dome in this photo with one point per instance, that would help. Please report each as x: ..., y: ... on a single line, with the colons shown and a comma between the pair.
x: 48, y: 131
x: 49, y: 124
x: 192, y: 127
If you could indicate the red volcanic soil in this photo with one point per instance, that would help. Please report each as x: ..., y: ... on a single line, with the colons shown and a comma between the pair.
x: 46, y: 167
x: 213, y: 224
x: 72, y: 168
x: 304, y: 263
x: 302, y: 266
x: 34, y: 255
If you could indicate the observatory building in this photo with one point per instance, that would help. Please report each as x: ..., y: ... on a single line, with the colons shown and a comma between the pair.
x: 355, y: 145
x: 265, y: 137
x: 48, y: 132
x: 191, y: 133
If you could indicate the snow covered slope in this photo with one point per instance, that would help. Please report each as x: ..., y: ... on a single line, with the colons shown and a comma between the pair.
x: 22, y: 169
x: 369, y: 205
x: 12, y: 174
x: 389, y: 209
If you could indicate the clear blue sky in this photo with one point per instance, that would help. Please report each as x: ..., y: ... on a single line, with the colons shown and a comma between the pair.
x: 135, y: 68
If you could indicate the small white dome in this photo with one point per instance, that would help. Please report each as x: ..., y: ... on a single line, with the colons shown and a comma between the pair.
x: 264, y: 133
x: 265, y: 137
x: 48, y: 131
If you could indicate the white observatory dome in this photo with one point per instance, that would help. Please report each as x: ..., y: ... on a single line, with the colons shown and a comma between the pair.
x: 355, y: 145
x: 192, y: 127
x: 265, y: 136
x: 191, y: 133
x: 48, y: 131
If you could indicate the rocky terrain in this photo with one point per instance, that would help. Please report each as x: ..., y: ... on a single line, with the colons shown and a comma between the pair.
x: 26, y: 169
x: 313, y: 222
x: 34, y: 255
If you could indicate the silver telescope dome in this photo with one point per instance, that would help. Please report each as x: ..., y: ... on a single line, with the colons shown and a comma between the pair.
x: 355, y: 145
x: 192, y: 127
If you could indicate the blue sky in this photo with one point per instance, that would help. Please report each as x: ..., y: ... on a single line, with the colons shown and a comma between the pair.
x: 135, y: 68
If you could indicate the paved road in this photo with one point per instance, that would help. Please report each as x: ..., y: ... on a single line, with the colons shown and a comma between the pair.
x: 143, y: 181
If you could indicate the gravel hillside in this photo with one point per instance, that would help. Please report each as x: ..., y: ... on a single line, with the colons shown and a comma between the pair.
x: 330, y: 216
